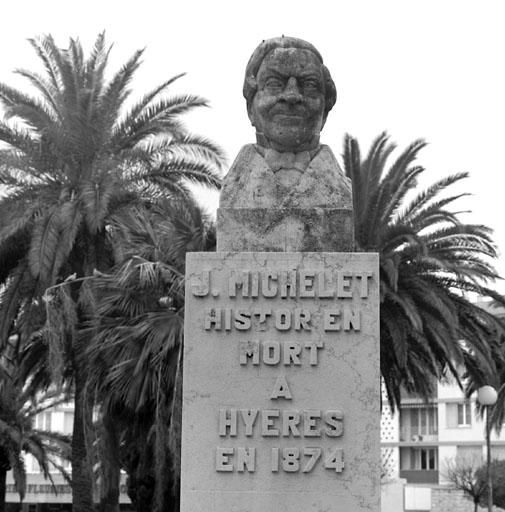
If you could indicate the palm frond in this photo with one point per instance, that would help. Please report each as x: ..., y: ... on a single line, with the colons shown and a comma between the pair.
x: 45, y: 245
x: 428, y: 259
x: 47, y: 51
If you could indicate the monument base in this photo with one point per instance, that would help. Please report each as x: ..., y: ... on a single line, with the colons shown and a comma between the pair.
x: 281, y: 389
x: 285, y: 229
x: 275, y: 501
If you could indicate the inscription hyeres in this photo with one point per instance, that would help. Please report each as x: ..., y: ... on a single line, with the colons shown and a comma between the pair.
x: 280, y: 423
x: 283, y: 424
x: 285, y: 284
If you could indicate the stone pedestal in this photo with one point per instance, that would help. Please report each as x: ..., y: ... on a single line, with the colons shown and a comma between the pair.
x: 285, y: 229
x: 281, y: 390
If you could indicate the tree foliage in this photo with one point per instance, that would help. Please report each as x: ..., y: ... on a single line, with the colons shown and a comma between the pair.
x: 498, y: 481
x: 429, y: 261
x: 18, y: 435
x: 75, y: 159
x: 465, y: 474
x: 137, y: 342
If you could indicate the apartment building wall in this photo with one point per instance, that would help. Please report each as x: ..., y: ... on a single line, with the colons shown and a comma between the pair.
x: 40, y: 495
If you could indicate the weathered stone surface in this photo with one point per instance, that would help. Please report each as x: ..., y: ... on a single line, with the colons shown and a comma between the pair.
x: 289, y: 93
x: 310, y: 212
x: 281, y: 355
x: 285, y: 229
x: 250, y: 183
x: 281, y: 383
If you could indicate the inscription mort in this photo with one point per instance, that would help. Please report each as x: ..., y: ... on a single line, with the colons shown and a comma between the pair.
x: 275, y: 352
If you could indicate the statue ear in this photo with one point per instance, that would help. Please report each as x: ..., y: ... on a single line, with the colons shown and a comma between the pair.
x: 250, y: 112
x: 325, y: 116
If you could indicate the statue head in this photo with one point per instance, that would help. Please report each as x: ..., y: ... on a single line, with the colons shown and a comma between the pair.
x: 289, y: 92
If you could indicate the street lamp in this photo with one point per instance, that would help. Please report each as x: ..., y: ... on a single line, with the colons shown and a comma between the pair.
x: 487, y: 396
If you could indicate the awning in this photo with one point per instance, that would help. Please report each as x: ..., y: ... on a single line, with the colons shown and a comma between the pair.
x: 418, y: 405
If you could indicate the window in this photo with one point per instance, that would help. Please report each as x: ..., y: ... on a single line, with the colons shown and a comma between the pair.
x: 425, y: 458
x: 68, y: 422
x: 418, y: 421
x: 471, y: 452
x: 498, y: 452
x: 43, y: 421
x: 459, y: 414
x: 420, y: 459
x: 464, y: 414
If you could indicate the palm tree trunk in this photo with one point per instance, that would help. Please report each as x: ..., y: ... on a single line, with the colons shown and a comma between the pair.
x: 111, y: 470
x: 82, y: 488
x: 3, y: 487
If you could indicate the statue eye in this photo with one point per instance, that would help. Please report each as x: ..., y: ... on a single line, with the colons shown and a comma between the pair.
x: 311, y: 85
x: 274, y: 83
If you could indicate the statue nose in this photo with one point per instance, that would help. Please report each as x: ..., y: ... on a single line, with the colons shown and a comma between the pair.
x: 292, y: 92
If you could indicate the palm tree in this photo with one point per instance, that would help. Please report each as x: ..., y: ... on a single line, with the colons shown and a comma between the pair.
x: 496, y: 380
x: 17, y: 433
x: 429, y: 261
x: 74, y: 162
x: 137, y: 341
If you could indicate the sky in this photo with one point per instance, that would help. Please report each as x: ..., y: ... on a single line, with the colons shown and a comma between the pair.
x: 432, y: 69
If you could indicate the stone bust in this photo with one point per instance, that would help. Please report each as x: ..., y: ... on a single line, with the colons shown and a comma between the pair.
x: 289, y: 92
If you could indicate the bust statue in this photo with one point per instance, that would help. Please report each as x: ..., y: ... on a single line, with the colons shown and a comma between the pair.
x: 277, y: 187
x: 289, y: 93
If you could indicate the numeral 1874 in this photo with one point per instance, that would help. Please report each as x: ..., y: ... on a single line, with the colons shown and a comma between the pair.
x: 293, y: 460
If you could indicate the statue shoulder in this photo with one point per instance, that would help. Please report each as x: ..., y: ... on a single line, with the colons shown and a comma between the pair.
x: 246, y: 154
x: 326, y: 154
x: 239, y: 173
x: 327, y: 159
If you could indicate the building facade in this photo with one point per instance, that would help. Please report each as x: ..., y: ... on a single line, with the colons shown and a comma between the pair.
x: 421, y: 438
x: 41, y: 495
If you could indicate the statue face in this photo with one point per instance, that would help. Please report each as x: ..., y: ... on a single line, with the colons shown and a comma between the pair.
x: 288, y: 107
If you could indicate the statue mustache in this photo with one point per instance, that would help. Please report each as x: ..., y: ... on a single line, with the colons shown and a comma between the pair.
x: 287, y: 109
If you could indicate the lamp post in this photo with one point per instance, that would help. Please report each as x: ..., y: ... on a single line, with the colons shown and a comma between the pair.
x: 487, y: 396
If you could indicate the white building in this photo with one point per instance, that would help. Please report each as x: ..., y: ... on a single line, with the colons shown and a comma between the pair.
x: 41, y: 496
x: 419, y: 440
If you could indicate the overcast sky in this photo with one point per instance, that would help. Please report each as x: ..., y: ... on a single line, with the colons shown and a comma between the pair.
x: 432, y: 69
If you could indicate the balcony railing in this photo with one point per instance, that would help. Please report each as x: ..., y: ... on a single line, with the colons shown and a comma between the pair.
x: 415, y: 433
x: 424, y: 476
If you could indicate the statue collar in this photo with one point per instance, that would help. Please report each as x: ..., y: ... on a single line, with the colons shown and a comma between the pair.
x: 277, y: 160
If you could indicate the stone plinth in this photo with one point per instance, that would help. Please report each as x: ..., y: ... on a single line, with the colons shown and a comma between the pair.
x: 285, y: 229
x: 281, y: 383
